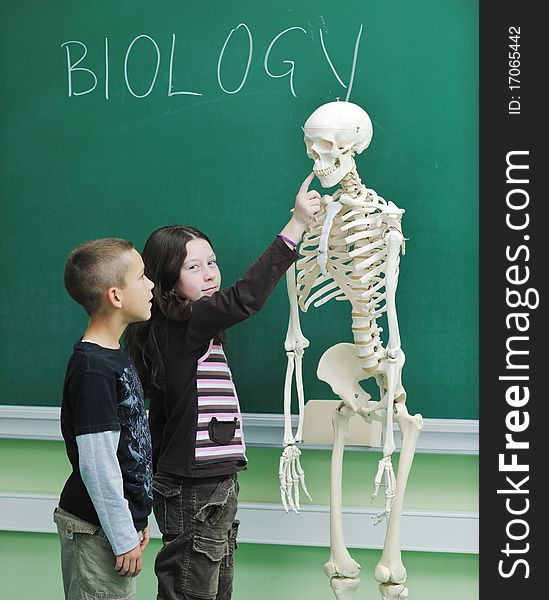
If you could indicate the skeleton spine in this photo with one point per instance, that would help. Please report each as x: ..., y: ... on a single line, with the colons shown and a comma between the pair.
x: 368, y: 255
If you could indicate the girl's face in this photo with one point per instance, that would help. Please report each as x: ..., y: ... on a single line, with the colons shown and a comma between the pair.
x: 199, y: 274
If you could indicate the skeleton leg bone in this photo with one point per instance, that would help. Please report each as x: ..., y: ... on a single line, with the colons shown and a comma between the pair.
x: 391, y: 591
x: 341, y: 565
x: 344, y: 588
x: 390, y: 569
x: 337, y: 367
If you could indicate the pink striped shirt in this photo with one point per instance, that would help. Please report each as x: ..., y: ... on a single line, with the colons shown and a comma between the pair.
x: 219, y: 434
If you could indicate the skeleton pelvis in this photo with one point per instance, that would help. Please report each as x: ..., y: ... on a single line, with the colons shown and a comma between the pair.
x: 339, y: 367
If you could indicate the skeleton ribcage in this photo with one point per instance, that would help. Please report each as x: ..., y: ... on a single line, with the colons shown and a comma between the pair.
x: 356, y: 261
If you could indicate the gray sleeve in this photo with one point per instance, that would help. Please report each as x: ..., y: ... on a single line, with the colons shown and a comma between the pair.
x: 102, y: 477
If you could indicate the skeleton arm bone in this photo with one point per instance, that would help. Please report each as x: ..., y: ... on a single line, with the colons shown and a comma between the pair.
x: 394, y: 362
x: 394, y: 354
x: 288, y: 433
x: 294, y: 345
x: 307, y: 205
x: 290, y: 473
x: 394, y: 239
x: 300, y: 394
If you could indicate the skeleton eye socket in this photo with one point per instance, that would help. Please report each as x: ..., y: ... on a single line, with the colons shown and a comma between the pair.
x: 325, y: 145
x: 310, y: 152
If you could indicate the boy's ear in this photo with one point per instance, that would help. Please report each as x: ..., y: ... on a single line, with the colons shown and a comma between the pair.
x: 114, y: 297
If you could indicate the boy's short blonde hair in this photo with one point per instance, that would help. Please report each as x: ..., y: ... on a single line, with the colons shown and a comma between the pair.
x: 95, y: 266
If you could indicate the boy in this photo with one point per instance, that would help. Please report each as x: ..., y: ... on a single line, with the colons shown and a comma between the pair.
x: 104, y: 506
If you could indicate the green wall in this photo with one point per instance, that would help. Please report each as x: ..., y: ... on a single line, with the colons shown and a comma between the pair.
x: 30, y: 565
x: 261, y: 571
x: 438, y: 482
x: 76, y: 167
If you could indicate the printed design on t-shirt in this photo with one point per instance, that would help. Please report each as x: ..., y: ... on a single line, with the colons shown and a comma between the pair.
x: 135, y: 438
x: 219, y: 430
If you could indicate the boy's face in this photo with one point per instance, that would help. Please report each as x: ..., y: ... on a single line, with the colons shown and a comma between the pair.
x: 136, y: 294
x: 200, y: 274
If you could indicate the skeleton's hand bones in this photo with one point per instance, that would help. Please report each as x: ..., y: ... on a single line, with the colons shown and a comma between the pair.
x: 291, y: 476
x: 385, y: 468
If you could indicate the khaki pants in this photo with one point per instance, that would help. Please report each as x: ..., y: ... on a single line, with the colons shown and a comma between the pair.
x: 87, y: 562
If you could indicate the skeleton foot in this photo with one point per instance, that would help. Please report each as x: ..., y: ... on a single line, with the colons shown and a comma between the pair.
x: 391, y: 591
x: 344, y: 588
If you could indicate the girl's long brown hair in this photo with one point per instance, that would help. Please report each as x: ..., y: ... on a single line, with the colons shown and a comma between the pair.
x: 164, y: 254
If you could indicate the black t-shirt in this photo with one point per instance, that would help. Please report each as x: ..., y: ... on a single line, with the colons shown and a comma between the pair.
x: 102, y: 392
x: 173, y: 413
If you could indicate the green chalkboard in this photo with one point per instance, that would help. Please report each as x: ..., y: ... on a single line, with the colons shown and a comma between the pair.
x: 120, y: 117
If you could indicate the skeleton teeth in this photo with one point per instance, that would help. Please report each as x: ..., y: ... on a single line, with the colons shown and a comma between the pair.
x: 327, y: 171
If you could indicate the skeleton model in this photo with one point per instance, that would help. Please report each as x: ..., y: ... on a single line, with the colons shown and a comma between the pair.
x: 351, y: 252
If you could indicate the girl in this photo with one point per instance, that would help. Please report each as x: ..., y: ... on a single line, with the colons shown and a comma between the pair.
x: 197, y: 437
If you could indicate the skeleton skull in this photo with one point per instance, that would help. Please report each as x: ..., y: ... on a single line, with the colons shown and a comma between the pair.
x: 333, y: 133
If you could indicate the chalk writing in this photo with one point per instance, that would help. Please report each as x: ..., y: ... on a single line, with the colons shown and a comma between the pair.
x: 352, y: 75
x: 288, y: 62
x: 82, y: 79
x: 251, y: 47
x: 139, y: 37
